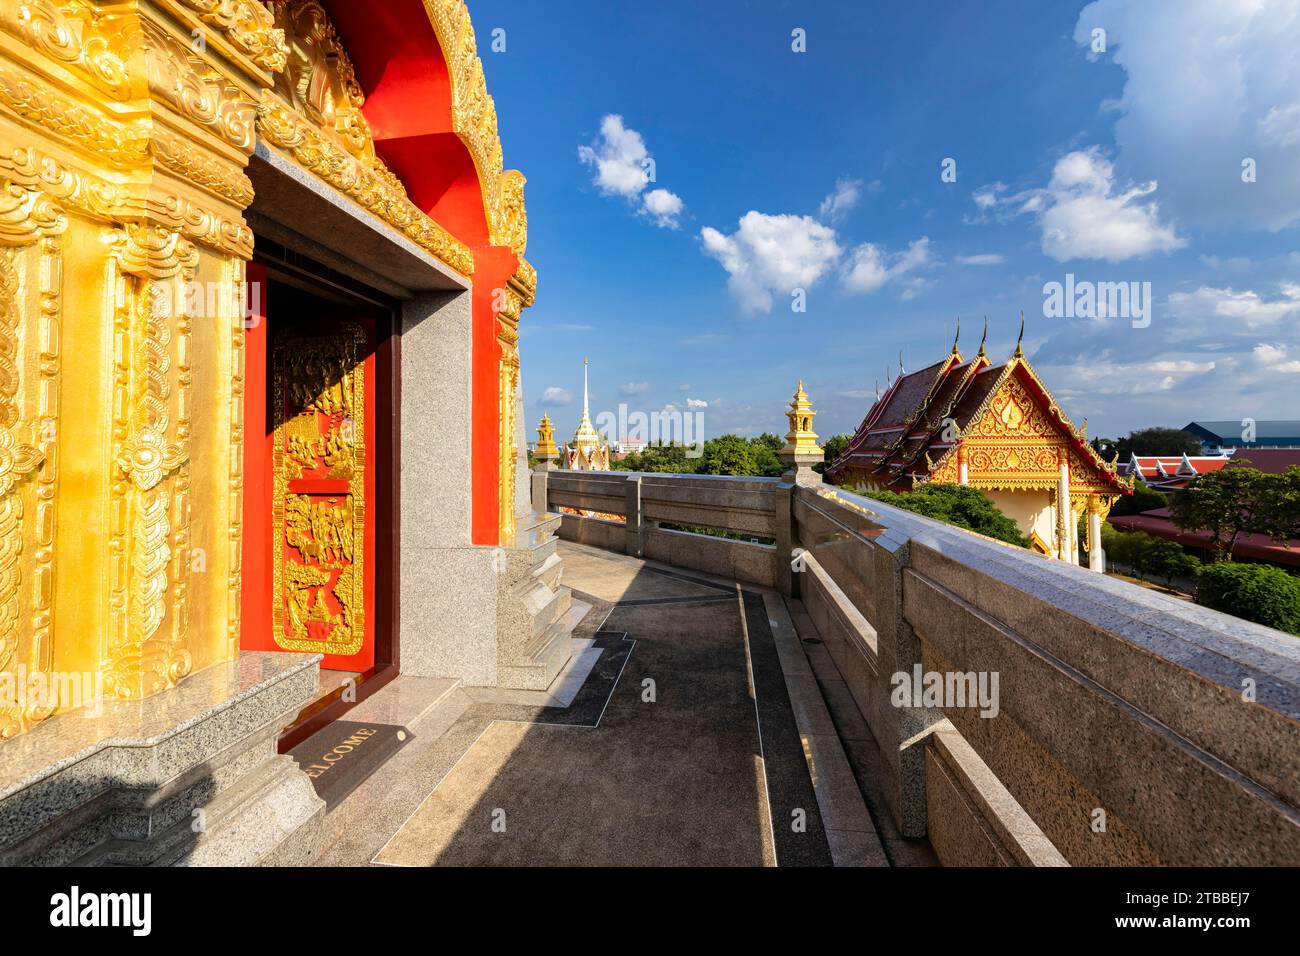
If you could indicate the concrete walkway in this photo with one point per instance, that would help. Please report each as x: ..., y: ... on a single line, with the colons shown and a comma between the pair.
x: 688, y: 730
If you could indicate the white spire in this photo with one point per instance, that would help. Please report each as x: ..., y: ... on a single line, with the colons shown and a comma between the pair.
x: 584, y: 386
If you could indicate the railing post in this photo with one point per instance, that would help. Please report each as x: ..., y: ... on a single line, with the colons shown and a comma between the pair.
x: 634, y: 544
x: 787, y: 539
x: 539, y: 488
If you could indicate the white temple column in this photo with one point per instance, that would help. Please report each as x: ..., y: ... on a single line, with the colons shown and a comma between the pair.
x: 1096, y: 557
x: 1064, y: 536
x: 963, y: 471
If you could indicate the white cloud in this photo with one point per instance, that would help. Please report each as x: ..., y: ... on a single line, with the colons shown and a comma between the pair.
x: 1276, y: 359
x: 983, y: 259
x: 696, y: 403
x: 664, y: 207
x: 1086, y: 218
x: 634, y: 388
x: 624, y: 168
x: 845, y: 196
x: 869, y: 266
x: 1208, y: 84
x: 556, y: 396
x: 620, y: 157
x: 772, y: 254
x: 1209, y: 307
x: 1083, y: 215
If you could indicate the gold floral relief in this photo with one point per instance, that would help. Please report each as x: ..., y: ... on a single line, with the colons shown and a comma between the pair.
x: 150, y: 533
x: 319, y: 504
x: 31, y: 229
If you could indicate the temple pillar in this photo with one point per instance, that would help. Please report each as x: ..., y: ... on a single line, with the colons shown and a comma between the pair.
x: 1064, y: 536
x: 1096, y: 556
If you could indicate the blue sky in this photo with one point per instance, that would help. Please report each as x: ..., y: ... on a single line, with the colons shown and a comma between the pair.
x: 776, y: 171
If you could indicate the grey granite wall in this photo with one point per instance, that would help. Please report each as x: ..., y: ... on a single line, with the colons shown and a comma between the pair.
x: 449, y: 588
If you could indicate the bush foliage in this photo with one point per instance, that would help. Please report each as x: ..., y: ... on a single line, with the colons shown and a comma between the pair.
x: 962, y: 506
x: 1257, y: 592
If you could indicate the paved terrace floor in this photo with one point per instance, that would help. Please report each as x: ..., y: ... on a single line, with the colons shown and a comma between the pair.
x: 694, y: 726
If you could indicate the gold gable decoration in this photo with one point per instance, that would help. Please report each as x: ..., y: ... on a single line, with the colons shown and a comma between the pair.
x: 474, y: 119
x: 314, y: 114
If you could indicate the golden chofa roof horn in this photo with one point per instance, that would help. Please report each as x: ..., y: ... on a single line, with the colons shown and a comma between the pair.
x: 956, y: 338
x: 985, y: 337
x: 1020, y: 339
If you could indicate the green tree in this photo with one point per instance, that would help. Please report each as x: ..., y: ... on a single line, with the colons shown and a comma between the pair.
x: 1224, y: 504
x: 671, y: 459
x: 1257, y: 592
x: 832, y: 448
x: 1142, y: 499
x: 1156, y: 441
x: 765, y: 448
x: 958, y: 505
x: 728, y: 455
x: 1279, y: 506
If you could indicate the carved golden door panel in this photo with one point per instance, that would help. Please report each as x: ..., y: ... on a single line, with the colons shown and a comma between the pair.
x: 322, y: 550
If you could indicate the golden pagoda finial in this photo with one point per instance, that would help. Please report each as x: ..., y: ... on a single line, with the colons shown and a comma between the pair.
x: 801, y: 440
x: 546, y: 439
x: 1020, y: 349
x: 956, y: 338
x: 984, y: 338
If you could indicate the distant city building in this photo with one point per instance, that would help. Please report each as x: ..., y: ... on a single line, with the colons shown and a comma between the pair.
x: 995, y: 428
x: 1226, y: 437
x: 630, y: 446
x: 1170, y: 472
x: 588, y: 451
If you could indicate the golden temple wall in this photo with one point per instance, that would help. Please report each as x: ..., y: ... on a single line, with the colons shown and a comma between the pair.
x: 124, y: 130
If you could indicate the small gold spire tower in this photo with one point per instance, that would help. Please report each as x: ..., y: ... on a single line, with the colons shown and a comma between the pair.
x: 801, y: 450
x: 801, y: 439
x: 546, y: 439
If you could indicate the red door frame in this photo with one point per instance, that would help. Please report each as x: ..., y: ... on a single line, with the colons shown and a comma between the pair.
x: 274, y: 263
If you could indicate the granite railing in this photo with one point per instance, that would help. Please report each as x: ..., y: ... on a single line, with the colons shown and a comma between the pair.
x: 1101, y: 723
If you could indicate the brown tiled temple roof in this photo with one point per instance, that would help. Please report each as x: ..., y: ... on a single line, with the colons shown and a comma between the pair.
x: 901, y: 437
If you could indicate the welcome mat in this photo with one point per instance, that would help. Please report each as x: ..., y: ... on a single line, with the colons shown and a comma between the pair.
x: 340, y: 756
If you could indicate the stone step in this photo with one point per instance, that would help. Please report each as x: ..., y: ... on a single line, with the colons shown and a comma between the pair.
x: 550, y: 571
x: 547, y: 655
x: 556, y: 604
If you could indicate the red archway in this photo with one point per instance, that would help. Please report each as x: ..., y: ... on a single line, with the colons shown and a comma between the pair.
x: 403, y: 72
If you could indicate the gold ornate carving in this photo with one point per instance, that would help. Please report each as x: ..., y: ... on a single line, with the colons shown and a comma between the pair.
x: 201, y: 168
x: 30, y: 294
x: 119, y: 144
x: 73, y: 33
x: 195, y: 90
x: 318, y: 387
x: 474, y: 119
x: 150, y: 529
x: 248, y: 25
x: 310, y: 148
x: 237, y: 299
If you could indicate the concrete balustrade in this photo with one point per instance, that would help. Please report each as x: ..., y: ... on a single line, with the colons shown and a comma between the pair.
x: 1129, y: 727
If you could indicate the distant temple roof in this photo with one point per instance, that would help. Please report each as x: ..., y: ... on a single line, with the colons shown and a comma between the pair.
x: 911, y: 432
x: 1274, y: 461
x: 1276, y: 433
x: 1259, y: 547
x: 1171, y: 472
